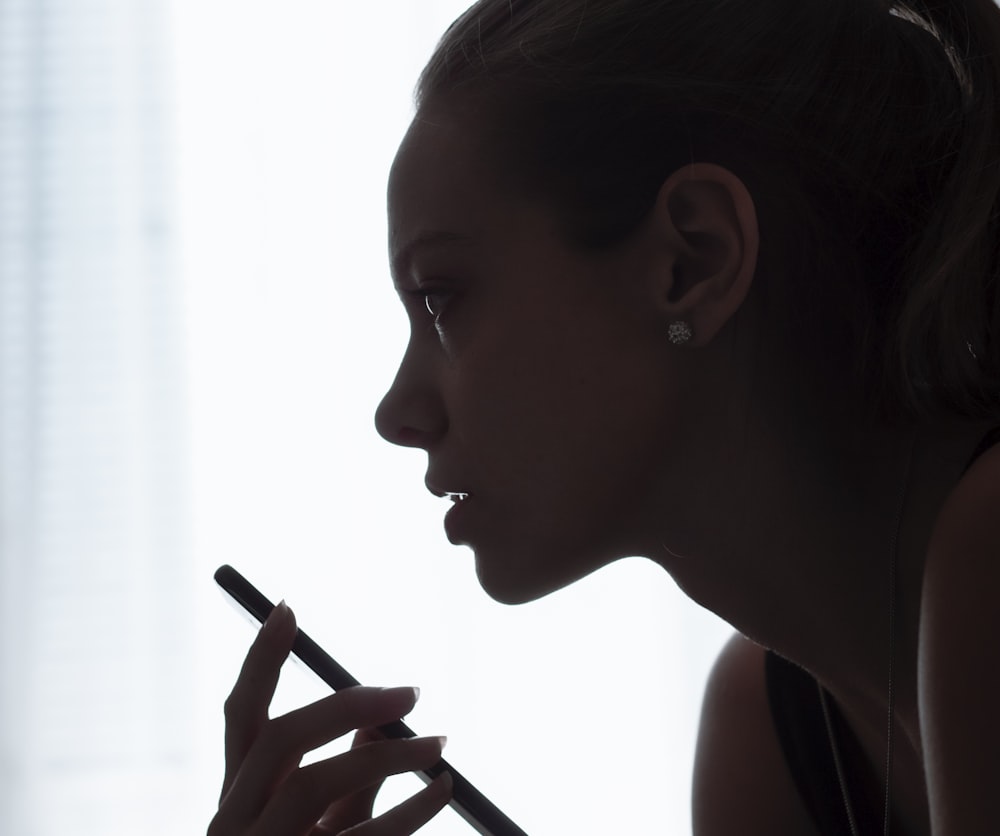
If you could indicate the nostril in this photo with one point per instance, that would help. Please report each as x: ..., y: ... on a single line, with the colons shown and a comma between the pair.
x: 410, y: 415
x: 409, y: 437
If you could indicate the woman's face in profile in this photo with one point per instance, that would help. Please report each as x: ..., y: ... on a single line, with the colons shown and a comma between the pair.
x: 535, y: 376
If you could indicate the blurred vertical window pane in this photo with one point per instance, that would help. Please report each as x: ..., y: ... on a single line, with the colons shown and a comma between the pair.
x: 92, y: 698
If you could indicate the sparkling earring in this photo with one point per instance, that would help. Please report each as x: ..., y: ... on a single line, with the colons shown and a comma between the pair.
x: 680, y: 332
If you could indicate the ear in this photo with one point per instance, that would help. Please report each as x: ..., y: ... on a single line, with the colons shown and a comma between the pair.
x: 705, y: 227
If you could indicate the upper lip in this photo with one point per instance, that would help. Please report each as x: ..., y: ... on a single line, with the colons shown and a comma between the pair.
x: 451, y: 493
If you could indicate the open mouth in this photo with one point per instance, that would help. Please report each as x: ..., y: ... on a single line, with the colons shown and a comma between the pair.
x: 456, y: 496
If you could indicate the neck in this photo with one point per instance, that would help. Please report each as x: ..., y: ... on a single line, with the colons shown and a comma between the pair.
x: 795, y: 551
x: 803, y: 568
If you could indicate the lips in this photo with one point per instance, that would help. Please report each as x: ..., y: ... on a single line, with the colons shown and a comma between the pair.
x: 456, y: 520
x: 460, y: 503
x: 454, y: 495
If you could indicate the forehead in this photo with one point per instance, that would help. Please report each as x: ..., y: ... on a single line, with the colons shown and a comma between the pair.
x: 432, y: 159
x: 440, y: 180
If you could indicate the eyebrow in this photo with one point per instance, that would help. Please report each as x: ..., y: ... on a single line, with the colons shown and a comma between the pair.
x: 400, y: 260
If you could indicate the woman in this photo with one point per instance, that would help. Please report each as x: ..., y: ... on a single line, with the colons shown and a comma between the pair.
x: 713, y: 283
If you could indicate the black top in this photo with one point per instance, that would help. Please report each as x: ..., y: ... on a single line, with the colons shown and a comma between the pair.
x: 797, y: 712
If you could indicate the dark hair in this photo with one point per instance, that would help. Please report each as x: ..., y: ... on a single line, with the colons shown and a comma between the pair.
x: 868, y: 133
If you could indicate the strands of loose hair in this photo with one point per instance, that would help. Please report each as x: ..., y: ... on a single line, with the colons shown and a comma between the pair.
x: 867, y: 131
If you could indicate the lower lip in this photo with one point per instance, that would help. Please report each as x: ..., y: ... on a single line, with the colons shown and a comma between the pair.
x: 454, y: 519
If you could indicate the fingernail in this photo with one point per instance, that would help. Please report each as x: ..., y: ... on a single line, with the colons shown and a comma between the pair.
x: 447, y: 782
x: 409, y: 690
x: 277, y: 617
x: 439, y: 741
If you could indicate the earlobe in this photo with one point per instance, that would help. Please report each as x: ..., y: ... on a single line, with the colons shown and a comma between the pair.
x: 707, y: 221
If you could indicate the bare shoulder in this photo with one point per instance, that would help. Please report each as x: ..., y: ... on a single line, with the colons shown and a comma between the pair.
x: 742, y: 784
x: 959, y: 680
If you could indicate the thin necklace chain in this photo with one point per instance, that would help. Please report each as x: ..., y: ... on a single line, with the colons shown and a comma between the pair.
x: 835, y: 749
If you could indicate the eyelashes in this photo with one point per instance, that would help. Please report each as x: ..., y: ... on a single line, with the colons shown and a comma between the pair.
x: 433, y: 299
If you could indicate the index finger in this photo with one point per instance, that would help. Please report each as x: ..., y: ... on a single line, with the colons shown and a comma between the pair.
x: 246, y: 708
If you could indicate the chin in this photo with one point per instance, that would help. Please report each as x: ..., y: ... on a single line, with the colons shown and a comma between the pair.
x: 519, y: 581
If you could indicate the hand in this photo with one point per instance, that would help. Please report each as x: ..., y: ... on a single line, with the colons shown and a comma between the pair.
x: 266, y: 793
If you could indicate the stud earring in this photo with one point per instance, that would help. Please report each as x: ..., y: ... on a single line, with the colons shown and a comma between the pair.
x: 680, y: 332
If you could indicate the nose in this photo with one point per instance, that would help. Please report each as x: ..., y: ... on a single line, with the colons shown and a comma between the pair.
x: 411, y: 413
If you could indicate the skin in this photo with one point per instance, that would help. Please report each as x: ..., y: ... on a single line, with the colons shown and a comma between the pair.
x: 266, y: 793
x: 542, y: 382
x: 502, y: 387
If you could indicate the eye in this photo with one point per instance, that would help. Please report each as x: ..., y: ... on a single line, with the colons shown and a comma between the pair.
x: 435, y: 299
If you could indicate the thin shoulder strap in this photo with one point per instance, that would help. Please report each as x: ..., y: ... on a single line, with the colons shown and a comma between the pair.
x: 798, y: 722
x: 991, y: 438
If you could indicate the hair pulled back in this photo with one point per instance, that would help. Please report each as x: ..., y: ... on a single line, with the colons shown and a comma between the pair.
x: 868, y: 132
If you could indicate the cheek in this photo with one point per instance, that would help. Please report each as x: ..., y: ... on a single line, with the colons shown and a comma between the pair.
x: 562, y: 455
x: 533, y: 408
x: 580, y: 401
x: 567, y: 438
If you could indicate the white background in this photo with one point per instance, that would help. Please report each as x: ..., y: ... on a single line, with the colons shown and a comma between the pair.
x: 575, y: 714
x: 223, y: 360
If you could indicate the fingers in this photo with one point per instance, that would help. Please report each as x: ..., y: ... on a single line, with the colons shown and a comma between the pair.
x: 247, y: 704
x: 304, y: 797
x: 412, y: 814
x: 282, y: 741
x: 265, y: 793
x: 356, y: 808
